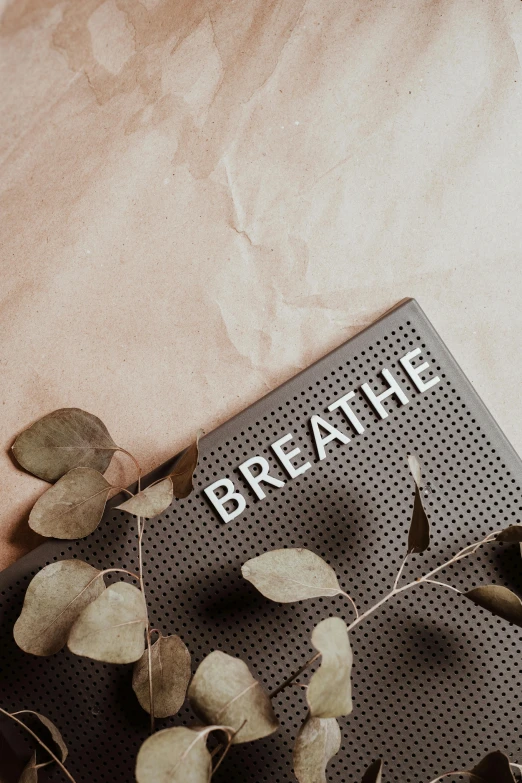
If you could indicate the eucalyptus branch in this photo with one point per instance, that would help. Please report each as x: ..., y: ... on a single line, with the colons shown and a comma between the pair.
x: 465, y: 552
x: 40, y: 742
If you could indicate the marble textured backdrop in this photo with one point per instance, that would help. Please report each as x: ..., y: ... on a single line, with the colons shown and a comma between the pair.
x: 200, y: 197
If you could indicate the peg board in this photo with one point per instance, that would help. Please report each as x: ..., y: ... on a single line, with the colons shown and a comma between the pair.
x: 436, y: 680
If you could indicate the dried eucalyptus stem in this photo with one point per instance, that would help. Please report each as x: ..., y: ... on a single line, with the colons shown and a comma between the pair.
x: 74, y: 448
x: 35, y: 736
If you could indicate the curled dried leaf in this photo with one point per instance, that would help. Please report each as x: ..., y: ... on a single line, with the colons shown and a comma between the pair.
x: 170, y: 676
x: 73, y: 507
x: 177, y: 755
x: 55, y: 598
x: 65, y: 439
x: 498, y: 600
x: 287, y: 575
x: 510, y: 535
x: 374, y: 772
x: 329, y: 694
x: 318, y: 741
x: 223, y: 691
x: 419, y: 533
x: 151, y: 501
x: 494, y: 768
x: 112, y: 628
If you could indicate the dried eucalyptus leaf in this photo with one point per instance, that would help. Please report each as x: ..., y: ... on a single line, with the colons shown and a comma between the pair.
x: 419, y: 534
x: 318, y: 741
x: 494, y: 768
x: 374, y: 772
x: 223, y: 691
x: 170, y: 676
x: 183, y: 472
x: 29, y: 772
x: 73, y: 507
x: 329, y: 694
x: 58, y: 746
x: 55, y: 598
x: 177, y: 755
x: 498, y: 600
x: 287, y: 575
x: 111, y: 629
x: 151, y: 501
x: 510, y: 535
x: 65, y: 439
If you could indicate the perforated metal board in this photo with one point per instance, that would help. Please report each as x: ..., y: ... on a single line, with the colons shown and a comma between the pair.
x: 436, y: 680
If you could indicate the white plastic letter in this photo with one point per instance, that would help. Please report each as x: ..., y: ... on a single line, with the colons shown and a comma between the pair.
x: 342, y: 403
x: 377, y: 399
x: 263, y: 475
x: 230, y: 495
x: 319, y: 424
x: 414, y: 372
x: 285, y: 459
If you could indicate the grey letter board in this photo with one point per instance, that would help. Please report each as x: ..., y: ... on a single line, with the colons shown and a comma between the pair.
x: 436, y: 680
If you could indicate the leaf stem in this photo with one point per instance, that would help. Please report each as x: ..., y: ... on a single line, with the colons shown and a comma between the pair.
x: 401, y: 569
x: 468, y: 550
x: 119, y: 570
x: 292, y: 677
x: 137, y: 464
x: 443, y: 584
x: 40, y: 742
x: 349, y: 597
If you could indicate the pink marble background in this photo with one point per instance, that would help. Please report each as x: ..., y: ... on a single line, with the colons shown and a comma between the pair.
x: 199, y: 198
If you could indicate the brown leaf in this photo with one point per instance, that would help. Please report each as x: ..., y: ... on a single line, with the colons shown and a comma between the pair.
x: 494, y: 768
x: 56, y: 596
x: 510, y: 535
x: 319, y: 739
x: 177, y: 755
x: 184, y: 471
x: 170, y: 676
x: 151, y: 501
x: 112, y: 628
x: 287, y: 575
x: 223, y: 691
x: 65, y: 439
x: 329, y: 694
x: 73, y: 507
x: 374, y: 772
x: 419, y: 534
x: 29, y: 772
x: 498, y: 600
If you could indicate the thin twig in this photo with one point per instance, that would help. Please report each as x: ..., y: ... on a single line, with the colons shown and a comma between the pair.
x: 40, y: 742
x: 141, y: 528
x: 349, y: 597
x: 227, y: 748
x: 292, y: 677
x: 401, y: 569
x: 443, y: 584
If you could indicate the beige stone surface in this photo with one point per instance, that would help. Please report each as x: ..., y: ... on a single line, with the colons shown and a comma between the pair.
x: 200, y: 197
